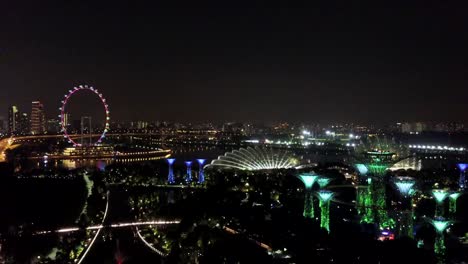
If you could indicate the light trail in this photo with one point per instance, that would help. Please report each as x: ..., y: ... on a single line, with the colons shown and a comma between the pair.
x: 157, y: 251
x: 97, y: 233
x: 4, y: 145
x: 260, y: 244
x: 117, y: 225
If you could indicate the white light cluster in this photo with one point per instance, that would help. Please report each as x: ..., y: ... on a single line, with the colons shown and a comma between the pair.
x: 436, y: 147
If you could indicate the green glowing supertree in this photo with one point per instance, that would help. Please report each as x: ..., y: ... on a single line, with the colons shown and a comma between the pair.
x: 440, y: 196
x: 453, y: 197
x: 325, y: 198
x: 405, y: 187
x: 308, y: 179
x: 440, y: 225
x: 323, y: 182
x: 364, y: 201
x: 377, y: 154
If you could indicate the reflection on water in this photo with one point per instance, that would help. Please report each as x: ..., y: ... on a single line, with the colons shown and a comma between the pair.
x: 178, y: 152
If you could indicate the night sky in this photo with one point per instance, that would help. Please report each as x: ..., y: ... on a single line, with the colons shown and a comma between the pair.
x: 327, y: 62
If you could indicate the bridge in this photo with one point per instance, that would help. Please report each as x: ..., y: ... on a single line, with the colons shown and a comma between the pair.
x: 158, y: 222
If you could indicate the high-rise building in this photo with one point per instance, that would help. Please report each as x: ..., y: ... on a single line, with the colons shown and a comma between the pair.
x: 24, y: 125
x: 3, y: 124
x: 37, y: 118
x: 53, y: 126
x: 13, y: 119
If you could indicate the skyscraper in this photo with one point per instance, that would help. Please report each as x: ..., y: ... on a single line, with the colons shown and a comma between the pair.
x: 37, y: 118
x: 13, y: 119
x: 24, y: 124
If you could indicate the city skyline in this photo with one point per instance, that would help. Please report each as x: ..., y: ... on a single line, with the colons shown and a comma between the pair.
x: 306, y: 64
x: 218, y: 132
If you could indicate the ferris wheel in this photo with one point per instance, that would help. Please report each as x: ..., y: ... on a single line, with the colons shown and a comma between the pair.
x: 63, y: 114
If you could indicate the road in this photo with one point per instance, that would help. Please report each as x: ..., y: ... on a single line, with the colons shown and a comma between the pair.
x: 4, y: 145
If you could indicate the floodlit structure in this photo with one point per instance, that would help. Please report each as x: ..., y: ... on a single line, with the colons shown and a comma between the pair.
x: 325, y: 198
x: 323, y: 181
x: 308, y: 179
x: 201, y: 173
x: 462, y: 179
x: 453, y: 197
x: 405, y: 187
x: 440, y: 225
x: 439, y: 196
x: 375, y: 155
x: 253, y: 159
x: 188, y: 177
x: 170, y: 176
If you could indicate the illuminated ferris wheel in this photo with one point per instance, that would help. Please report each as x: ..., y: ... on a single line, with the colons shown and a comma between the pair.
x: 63, y: 114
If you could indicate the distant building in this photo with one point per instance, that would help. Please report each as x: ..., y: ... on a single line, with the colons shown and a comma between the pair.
x: 414, y: 128
x: 37, y: 118
x: 24, y: 124
x: 3, y: 124
x: 449, y: 127
x: 13, y: 119
x: 66, y: 120
x: 53, y: 126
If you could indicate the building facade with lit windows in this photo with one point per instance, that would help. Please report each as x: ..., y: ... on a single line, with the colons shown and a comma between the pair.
x: 37, y: 118
x: 13, y: 119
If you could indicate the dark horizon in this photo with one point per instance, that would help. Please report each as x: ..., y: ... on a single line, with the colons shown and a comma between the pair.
x: 356, y: 63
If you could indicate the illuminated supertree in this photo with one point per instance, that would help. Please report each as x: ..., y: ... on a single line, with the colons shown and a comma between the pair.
x: 405, y: 186
x: 323, y: 182
x: 375, y: 156
x: 440, y: 225
x: 364, y: 201
x: 440, y: 196
x: 453, y: 197
x: 325, y: 198
x: 170, y: 176
x: 188, y: 178
x: 308, y: 179
x: 462, y: 180
x: 201, y: 173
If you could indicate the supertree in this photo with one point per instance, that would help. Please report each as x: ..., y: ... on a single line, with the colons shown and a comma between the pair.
x: 440, y: 196
x: 188, y: 178
x: 405, y: 187
x: 440, y: 225
x: 366, y: 204
x: 364, y: 201
x: 308, y: 179
x: 201, y: 173
x: 377, y: 154
x: 170, y: 176
x: 453, y: 197
x: 323, y: 182
x: 462, y: 180
x: 325, y: 197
